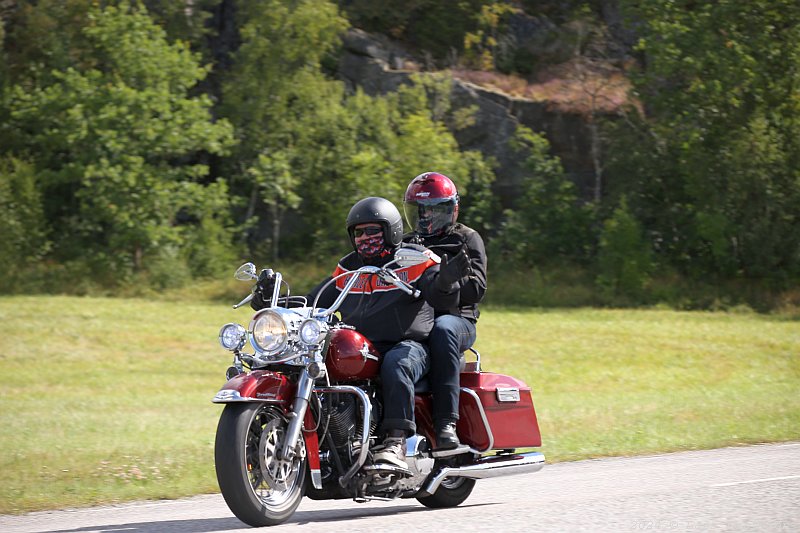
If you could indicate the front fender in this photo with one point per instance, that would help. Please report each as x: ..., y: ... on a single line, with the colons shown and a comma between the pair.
x: 257, y: 386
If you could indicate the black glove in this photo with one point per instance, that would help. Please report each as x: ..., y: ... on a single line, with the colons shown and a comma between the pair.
x: 452, y: 270
x: 262, y: 293
x: 259, y: 302
x: 266, y: 282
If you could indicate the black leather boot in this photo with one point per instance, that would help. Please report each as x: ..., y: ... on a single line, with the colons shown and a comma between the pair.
x: 446, y: 437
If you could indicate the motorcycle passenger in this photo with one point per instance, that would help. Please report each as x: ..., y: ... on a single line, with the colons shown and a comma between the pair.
x: 431, y: 208
x: 396, y: 323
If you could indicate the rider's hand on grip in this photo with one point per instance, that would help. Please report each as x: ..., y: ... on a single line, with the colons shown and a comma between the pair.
x: 266, y: 282
x: 263, y: 290
x: 452, y: 270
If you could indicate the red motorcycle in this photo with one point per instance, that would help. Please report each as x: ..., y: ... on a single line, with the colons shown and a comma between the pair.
x: 301, y: 413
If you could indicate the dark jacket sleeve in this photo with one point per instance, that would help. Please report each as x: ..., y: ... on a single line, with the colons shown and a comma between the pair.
x: 474, y: 288
x: 435, y: 296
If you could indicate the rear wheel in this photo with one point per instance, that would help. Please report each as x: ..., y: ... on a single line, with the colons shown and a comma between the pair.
x: 451, y: 493
x: 259, y: 488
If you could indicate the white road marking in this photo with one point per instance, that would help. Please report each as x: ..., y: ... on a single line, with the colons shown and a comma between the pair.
x: 755, y: 481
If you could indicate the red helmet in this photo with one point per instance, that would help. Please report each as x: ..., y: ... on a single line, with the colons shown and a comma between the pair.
x: 431, y: 204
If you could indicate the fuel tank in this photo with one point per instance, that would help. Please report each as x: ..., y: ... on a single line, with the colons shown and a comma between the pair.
x: 351, y: 356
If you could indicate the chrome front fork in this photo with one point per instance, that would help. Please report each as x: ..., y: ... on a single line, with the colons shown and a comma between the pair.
x: 305, y: 386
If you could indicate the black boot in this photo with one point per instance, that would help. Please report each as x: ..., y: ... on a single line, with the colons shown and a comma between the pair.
x: 446, y: 438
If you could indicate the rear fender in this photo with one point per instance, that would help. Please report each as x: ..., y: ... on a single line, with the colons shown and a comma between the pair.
x: 258, y: 386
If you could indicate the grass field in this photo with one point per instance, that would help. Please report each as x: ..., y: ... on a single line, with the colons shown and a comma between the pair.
x: 105, y: 400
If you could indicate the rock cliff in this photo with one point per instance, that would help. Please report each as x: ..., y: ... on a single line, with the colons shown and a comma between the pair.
x: 377, y: 65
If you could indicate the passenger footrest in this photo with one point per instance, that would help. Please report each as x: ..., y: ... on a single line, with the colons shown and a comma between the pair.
x: 461, y: 448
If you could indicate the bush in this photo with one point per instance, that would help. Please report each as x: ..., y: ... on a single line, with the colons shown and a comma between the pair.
x: 23, y: 237
x: 624, y: 259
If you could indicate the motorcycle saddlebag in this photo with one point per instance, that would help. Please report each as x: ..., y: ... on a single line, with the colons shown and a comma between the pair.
x: 508, y: 406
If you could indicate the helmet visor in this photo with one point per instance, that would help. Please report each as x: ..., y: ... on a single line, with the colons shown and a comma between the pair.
x: 430, y: 217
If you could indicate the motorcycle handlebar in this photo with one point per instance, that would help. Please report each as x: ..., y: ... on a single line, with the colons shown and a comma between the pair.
x: 385, y: 274
x: 246, y: 300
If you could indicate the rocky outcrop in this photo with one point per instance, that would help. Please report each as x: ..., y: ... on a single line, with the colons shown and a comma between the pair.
x: 379, y: 66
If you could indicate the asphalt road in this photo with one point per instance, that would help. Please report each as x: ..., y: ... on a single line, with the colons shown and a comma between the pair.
x: 754, y: 489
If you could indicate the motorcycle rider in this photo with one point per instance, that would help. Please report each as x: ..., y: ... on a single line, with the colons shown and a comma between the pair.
x: 431, y: 209
x: 396, y: 323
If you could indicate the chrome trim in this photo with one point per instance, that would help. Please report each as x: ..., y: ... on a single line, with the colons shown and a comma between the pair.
x: 463, y: 448
x: 365, y: 353
x: 368, y: 269
x: 316, y: 478
x: 244, y: 301
x: 477, y: 359
x: 483, y: 417
x: 507, y: 394
x: 488, y: 467
x: 366, y: 417
x: 305, y: 386
x: 233, y: 396
x: 242, y: 336
x: 276, y: 290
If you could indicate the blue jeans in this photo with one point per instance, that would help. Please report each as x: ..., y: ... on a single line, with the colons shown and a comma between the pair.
x: 451, y: 336
x: 402, y: 366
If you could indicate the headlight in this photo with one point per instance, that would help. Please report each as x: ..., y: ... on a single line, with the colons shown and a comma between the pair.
x: 232, y: 336
x: 269, y: 332
x: 312, y: 331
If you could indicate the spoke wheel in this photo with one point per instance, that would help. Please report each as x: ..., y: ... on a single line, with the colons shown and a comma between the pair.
x: 259, y: 488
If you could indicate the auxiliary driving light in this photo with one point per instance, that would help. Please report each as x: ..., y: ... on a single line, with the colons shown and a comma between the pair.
x: 312, y: 331
x: 232, y: 336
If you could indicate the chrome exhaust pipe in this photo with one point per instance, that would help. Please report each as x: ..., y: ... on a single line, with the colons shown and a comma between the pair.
x: 487, y: 467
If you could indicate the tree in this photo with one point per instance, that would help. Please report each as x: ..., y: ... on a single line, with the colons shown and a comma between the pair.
x: 548, y: 222
x: 114, y: 138
x: 294, y: 121
x: 719, y: 143
x: 624, y: 258
x: 280, y: 102
x: 24, y: 235
x: 276, y: 185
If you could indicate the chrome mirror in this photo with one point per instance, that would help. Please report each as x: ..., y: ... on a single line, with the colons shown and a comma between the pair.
x: 406, y: 257
x: 246, y: 272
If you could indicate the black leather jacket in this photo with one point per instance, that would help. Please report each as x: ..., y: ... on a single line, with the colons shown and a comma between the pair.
x: 381, y: 312
x: 450, y: 243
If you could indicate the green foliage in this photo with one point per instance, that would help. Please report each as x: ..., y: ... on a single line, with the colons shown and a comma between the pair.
x: 23, y: 239
x: 308, y: 151
x: 47, y: 37
x: 480, y: 46
x: 116, y: 144
x: 287, y: 114
x: 185, y: 21
x: 548, y: 222
x: 419, y: 22
x: 276, y: 186
x: 624, y: 258
x: 713, y: 169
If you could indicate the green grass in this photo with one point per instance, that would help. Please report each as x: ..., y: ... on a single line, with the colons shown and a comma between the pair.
x: 611, y: 382
x: 106, y: 400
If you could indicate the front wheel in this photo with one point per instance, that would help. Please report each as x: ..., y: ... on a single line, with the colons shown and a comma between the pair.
x: 259, y: 488
x: 451, y: 493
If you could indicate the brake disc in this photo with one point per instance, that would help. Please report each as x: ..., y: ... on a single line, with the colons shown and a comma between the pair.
x: 276, y: 472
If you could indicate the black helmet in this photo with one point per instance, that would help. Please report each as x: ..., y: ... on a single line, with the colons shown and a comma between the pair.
x: 380, y: 211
